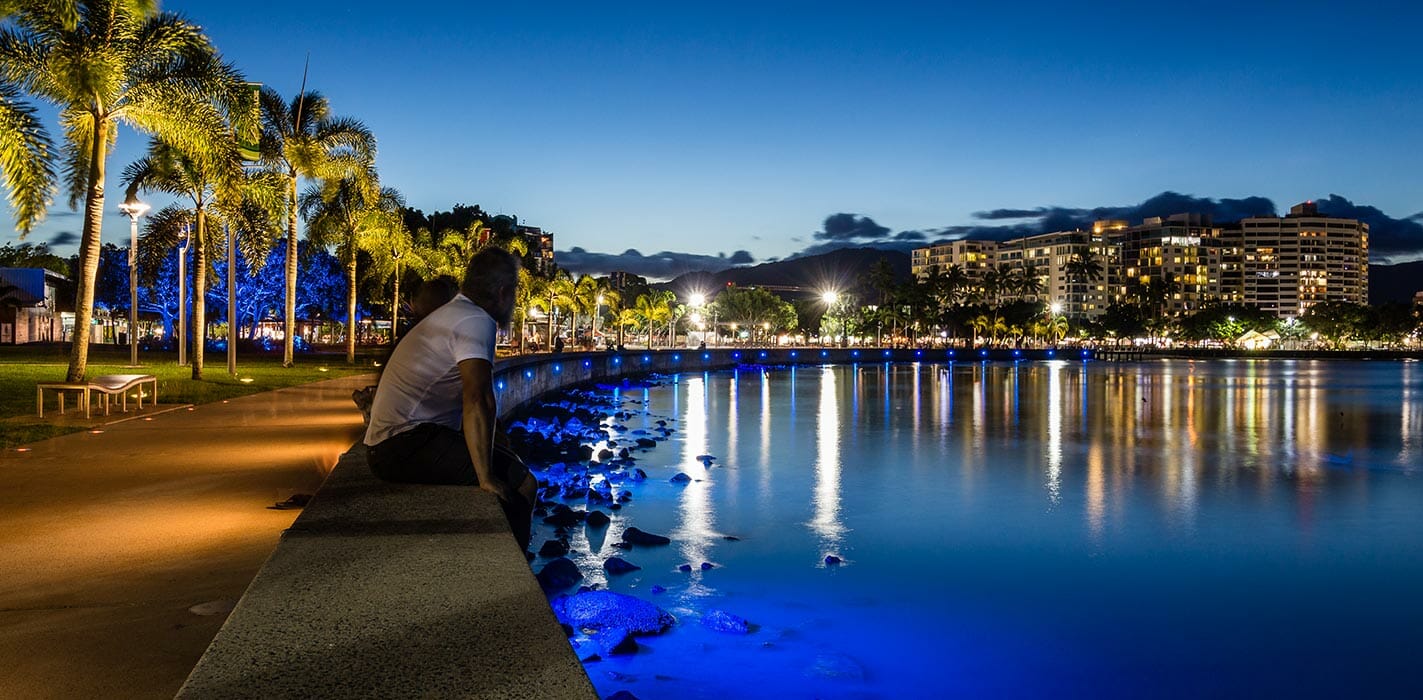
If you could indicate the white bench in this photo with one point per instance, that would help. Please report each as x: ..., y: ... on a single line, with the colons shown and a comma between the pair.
x: 107, y: 385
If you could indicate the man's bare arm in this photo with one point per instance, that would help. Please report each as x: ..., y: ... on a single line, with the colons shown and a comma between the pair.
x: 477, y: 380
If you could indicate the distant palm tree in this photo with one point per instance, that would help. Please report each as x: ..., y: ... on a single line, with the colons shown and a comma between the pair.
x: 104, y: 64
x: 301, y: 139
x: 392, y: 248
x: 336, y: 213
x: 1082, y: 270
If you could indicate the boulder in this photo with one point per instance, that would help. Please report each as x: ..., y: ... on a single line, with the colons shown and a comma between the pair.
x: 832, y: 560
x: 635, y: 536
x: 646, y: 442
x: 618, y: 565
x: 725, y: 622
x: 680, y: 478
x: 598, y: 518
x: 615, y: 641
x: 605, y: 610
x: 563, y: 516
x: 559, y: 574
x: 553, y: 548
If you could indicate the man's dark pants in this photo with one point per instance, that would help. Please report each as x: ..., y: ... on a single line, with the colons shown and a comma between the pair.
x: 434, y: 454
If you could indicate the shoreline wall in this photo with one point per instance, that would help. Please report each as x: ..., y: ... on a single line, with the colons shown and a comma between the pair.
x: 518, y: 380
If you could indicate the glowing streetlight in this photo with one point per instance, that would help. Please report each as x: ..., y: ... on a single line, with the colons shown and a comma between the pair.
x: 597, y: 315
x: 133, y: 208
x: 1056, y: 308
x: 697, y: 299
x: 830, y: 297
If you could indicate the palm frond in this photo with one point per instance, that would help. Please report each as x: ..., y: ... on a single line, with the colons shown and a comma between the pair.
x: 162, y: 231
x: 78, y: 140
x: 26, y: 160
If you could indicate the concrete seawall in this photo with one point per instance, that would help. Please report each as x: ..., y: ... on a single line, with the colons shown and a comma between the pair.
x: 396, y: 590
x: 521, y: 379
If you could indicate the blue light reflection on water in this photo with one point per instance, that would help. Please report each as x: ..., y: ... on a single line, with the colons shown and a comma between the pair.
x: 1171, y: 529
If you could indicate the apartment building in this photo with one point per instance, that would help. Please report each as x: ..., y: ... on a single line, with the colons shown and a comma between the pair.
x: 1291, y: 263
x: 975, y: 258
x: 1183, y: 252
x: 1283, y: 265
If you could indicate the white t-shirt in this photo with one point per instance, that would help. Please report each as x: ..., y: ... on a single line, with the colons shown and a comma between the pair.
x: 421, y: 384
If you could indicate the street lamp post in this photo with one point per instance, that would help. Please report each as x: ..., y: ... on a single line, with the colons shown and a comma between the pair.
x: 133, y: 208
x: 183, y: 298
x: 831, y: 298
x: 697, y: 300
x: 597, y: 316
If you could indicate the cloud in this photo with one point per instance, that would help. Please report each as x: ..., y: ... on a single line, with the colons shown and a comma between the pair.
x: 1388, y: 237
x: 63, y: 238
x: 1165, y: 204
x: 659, y: 266
x: 848, y: 227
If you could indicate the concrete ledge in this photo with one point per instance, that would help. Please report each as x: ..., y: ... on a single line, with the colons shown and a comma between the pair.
x: 392, y: 591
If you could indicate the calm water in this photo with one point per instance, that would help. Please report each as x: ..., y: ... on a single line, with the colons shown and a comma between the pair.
x: 1170, y: 529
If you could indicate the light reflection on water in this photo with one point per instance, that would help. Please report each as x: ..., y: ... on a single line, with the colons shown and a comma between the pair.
x: 1177, y: 528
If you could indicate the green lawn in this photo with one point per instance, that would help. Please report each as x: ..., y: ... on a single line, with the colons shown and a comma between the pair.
x: 23, y: 366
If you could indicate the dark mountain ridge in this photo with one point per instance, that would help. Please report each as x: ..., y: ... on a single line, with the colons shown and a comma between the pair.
x: 845, y: 270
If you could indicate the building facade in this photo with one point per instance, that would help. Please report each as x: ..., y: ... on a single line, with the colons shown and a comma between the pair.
x: 28, y: 307
x: 1177, y: 264
x: 1291, y: 263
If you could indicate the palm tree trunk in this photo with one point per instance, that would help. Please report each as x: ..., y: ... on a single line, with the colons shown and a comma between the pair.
x: 395, y: 306
x: 351, y: 303
x: 89, y: 254
x: 289, y: 305
x: 200, y: 286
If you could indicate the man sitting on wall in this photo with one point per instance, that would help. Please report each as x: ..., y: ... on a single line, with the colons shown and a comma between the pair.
x: 434, y: 412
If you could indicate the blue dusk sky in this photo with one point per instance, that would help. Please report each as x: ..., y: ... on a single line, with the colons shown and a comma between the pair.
x: 710, y: 128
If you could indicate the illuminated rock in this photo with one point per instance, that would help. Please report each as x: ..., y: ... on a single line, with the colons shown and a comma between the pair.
x: 606, y: 610
x: 725, y: 622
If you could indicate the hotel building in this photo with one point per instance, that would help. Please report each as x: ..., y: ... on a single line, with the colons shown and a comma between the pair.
x: 1282, y: 265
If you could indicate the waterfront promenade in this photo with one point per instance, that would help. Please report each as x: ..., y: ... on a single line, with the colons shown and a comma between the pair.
x: 123, y: 550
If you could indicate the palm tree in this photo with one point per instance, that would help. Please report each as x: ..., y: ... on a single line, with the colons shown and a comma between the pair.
x: 301, y: 139
x: 456, y: 248
x: 67, y: 11
x: 557, y: 293
x: 393, y: 252
x: 167, y: 170
x: 654, y: 309
x: 105, y: 64
x: 586, y: 291
x: 336, y: 213
x: 1082, y: 269
x: 1028, y: 282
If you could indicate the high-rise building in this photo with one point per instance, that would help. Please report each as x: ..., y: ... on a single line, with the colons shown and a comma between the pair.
x: 1290, y: 263
x: 973, y: 258
x: 1176, y: 259
x: 1075, y: 270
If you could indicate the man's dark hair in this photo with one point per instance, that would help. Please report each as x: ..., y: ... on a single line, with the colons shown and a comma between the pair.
x: 489, y: 271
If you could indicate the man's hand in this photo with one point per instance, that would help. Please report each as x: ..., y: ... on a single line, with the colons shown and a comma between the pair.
x: 498, y: 488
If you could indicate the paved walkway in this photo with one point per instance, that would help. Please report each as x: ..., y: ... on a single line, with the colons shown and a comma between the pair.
x: 108, y: 541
